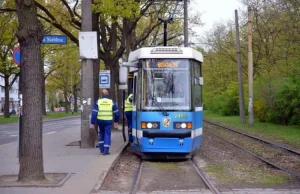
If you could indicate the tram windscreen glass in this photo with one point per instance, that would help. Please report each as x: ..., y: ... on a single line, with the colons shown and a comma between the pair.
x: 167, y: 84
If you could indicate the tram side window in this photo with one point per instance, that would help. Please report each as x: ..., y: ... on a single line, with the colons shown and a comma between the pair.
x: 197, y: 86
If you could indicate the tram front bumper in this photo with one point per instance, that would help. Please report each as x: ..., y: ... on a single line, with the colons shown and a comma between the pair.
x: 166, y: 141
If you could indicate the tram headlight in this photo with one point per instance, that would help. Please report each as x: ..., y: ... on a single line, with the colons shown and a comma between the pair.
x: 150, y: 125
x: 183, y: 125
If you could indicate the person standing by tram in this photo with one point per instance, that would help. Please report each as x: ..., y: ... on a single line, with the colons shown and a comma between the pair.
x: 128, y: 114
x: 103, y: 111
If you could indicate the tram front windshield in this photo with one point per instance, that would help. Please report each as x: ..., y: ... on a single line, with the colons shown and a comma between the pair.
x: 166, y: 85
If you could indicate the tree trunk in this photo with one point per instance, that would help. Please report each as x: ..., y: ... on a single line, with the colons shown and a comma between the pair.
x: 67, y: 103
x: 6, y: 96
x: 112, y: 91
x: 96, y: 67
x: 75, y: 98
x: 96, y: 62
x: 44, y: 96
x: 30, y: 35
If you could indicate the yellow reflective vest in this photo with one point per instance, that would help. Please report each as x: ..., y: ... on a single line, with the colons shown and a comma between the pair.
x: 128, y: 104
x: 105, y: 111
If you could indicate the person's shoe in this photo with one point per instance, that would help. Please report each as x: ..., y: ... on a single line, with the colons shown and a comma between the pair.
x: 106, y: 153
x: 101, y: 151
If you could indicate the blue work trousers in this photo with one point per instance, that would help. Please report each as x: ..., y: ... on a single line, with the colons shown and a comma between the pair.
x: 128, y: 115
x: 104, y: 135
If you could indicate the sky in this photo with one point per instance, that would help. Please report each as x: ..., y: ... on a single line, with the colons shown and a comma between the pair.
x: 213, y: 11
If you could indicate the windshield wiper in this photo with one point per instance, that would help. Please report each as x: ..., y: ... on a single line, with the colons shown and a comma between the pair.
x: 159, y: 106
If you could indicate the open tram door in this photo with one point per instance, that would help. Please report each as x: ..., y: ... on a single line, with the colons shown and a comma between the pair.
x: 128, y: 81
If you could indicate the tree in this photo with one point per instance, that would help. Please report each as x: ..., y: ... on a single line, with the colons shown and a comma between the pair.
x: 30, y: 35
x: 8, y: 27
x: 63, y: 73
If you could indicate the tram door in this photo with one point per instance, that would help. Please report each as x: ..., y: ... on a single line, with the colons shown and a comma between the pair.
x: 134, y: 108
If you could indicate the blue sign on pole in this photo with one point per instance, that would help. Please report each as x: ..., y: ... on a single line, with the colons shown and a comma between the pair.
x: 54, y: 39
x: 17, y: 55
x: 104, y: 79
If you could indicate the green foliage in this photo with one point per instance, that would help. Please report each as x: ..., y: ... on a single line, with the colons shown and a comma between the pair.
x: 276, y: 52
x: 117, y: 8
x: 260, y: 109
x: 279, y: 100
x: 227, y: 102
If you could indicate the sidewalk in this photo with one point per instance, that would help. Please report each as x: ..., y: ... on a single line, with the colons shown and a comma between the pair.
x: 87, y: 166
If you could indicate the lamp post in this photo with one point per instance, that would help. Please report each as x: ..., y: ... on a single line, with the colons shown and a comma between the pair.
x: 162, y: 16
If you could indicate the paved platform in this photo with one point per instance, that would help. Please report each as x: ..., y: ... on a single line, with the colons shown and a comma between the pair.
x: 87, y: 166
x: 205, y: 191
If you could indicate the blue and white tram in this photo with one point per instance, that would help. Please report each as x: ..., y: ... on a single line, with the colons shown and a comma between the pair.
x: 167, y: 101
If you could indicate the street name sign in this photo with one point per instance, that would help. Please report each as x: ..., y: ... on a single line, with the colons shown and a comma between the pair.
x: 54, y: 39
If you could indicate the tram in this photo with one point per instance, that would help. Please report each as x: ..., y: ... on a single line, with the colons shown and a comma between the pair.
x: 167, y: 112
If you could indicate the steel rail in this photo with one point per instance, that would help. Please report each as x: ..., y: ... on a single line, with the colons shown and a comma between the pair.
x: 136, y: 180
x: 204, y: 177
x: 262, y: 159
x: 256, y: 138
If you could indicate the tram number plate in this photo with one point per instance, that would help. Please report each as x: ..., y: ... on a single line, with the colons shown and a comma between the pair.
x: 180, y: 116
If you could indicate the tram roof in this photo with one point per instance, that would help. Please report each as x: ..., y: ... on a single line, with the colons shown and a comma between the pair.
x: 165, y: 53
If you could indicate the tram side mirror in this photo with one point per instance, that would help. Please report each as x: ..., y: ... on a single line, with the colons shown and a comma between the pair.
x: 123, y: 75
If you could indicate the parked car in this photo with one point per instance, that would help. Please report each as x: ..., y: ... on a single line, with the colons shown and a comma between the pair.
x: 57, y: 109
x: 12, y: 111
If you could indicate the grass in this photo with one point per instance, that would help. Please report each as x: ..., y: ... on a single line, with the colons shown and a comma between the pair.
x: 59, y: 115
x: 245, y: 174
x: 48, y: 116
x: 164, y: 166
x: 283, y: 134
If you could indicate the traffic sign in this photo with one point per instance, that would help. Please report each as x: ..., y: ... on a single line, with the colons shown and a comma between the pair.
x: 54, y: 39
x: 104, y: 79
x: 17, y: 55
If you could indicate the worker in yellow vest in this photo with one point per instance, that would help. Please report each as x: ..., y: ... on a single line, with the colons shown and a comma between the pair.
x: 128, y: 114
x: 103, y: 111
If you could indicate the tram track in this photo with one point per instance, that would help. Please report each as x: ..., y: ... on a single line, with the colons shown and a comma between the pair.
x: 256, y: 138
x: 268, y: 158
x: 201, y: 173
x: 204, y: 177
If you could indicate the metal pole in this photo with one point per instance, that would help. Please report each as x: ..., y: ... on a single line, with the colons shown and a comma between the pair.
x: 250, y: 67
x: 186, y: 31
x: 165, y: 32
x: 87, y: 87
x: 240, y: 70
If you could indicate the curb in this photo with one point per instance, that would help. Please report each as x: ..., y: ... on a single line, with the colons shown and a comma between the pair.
x: 34, y: 185
x: 59, y: 119
x: 102, y: 177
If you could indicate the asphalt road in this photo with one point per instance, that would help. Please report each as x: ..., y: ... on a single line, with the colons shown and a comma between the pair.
x: 10, y: 132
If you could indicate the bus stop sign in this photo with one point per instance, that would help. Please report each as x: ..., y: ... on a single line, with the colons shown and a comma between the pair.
x: 104, y: 79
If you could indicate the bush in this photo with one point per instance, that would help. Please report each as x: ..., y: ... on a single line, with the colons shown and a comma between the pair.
x: 278, y: 100
x: 226, y: 103
x: 261, y: 110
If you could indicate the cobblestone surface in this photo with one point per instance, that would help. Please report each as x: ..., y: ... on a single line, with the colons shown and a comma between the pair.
x: 204, y: 191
